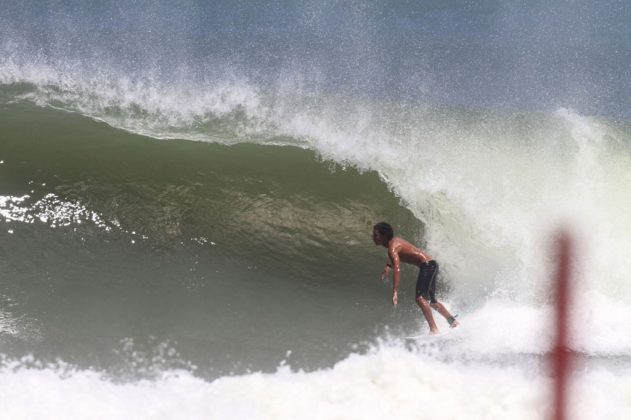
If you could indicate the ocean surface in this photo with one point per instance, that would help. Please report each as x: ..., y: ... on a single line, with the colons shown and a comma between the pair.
x: 188, y: 189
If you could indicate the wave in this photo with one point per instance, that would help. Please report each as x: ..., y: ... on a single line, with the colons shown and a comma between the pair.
x: 105, y: 227
x: 489, y: 224
x: 547, y: 165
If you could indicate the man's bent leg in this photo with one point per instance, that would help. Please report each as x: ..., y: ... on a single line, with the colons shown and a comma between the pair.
x: 427, y: 312
x: 444, y: 312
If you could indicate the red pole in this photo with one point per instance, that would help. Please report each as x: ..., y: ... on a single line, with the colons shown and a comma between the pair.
x: 562, y: 353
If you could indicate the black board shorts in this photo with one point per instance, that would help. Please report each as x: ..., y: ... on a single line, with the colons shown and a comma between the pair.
x: 426, y: 283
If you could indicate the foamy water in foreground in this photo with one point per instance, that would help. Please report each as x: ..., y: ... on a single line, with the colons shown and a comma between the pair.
x: 492, y: 367
x: 389, y: 382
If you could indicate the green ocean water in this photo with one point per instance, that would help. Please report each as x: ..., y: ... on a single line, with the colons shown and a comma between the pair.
x: 228, y: 255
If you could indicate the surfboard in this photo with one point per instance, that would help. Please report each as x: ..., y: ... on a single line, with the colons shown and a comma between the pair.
x: 424, y: 337
x: 427, y: 336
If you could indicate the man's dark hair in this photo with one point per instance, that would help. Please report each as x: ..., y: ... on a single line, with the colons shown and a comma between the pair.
x: 384, y: 229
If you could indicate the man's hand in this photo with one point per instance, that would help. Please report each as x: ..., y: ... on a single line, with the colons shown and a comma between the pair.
x: 395, y: 298
x: 384, y: 273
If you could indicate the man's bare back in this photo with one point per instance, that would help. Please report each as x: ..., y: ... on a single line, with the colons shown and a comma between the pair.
x: 406, y: 252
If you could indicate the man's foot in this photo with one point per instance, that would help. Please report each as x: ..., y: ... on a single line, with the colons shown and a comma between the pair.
x: 434, y: 332
x: 452, y: 322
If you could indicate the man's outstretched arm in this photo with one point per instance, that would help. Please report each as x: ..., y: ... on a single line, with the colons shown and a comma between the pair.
x: 396, y: 277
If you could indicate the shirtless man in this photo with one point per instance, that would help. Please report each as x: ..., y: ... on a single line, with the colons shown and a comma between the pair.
x: 400, y: 250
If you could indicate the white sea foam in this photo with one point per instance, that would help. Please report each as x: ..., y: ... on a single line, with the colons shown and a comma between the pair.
x: 389, y: 382
x: 493, y: 192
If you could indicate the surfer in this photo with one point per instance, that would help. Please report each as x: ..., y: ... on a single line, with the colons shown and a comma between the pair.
x: 400, y: 250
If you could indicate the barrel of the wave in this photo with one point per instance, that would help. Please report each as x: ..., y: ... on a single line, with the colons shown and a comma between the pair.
x: 562, y: 353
